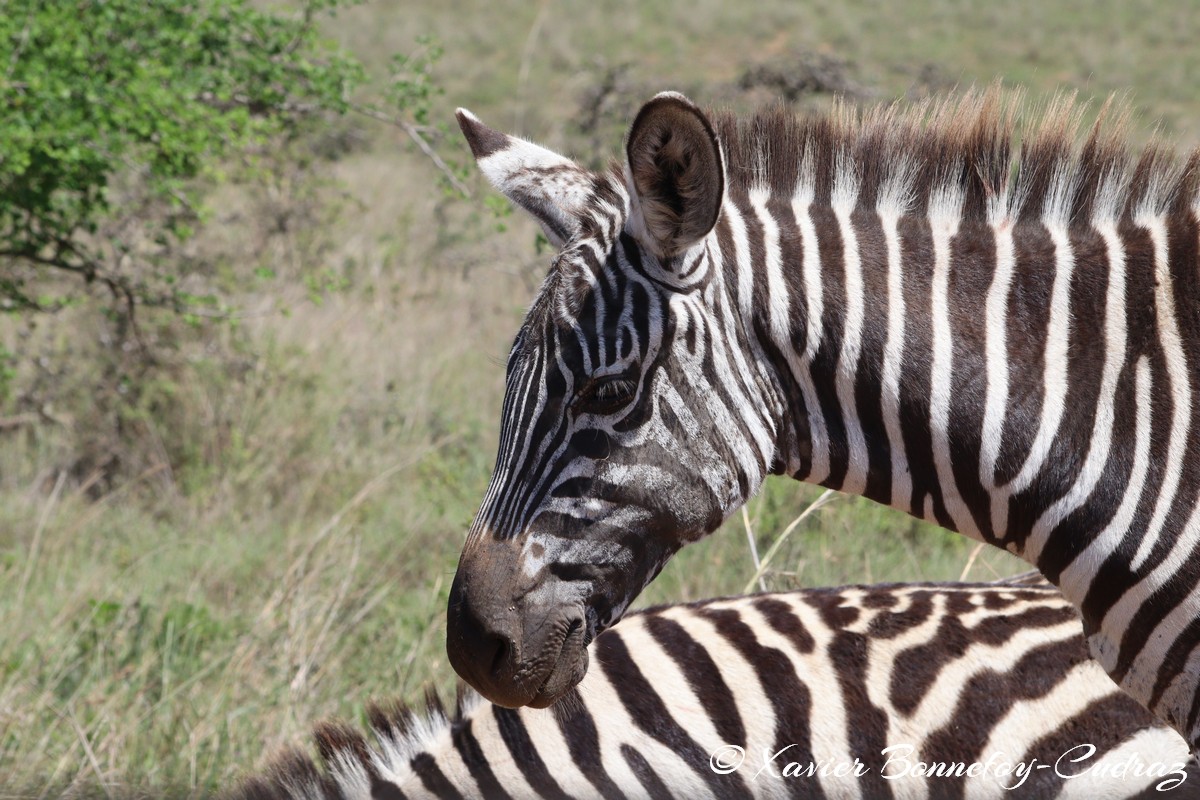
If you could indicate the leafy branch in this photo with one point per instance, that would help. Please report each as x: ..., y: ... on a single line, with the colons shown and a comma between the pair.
x: 117, y: 118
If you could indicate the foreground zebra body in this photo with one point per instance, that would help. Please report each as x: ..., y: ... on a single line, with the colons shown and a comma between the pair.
x: 875, y: 305
x: 849, y: 689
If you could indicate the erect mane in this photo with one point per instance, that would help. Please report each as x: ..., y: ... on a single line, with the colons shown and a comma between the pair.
x: 976, y: 145
x: 347, y: 759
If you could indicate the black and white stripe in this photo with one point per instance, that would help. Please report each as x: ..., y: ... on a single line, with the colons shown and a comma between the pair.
x: 890, y: 304
x: 962, y: 674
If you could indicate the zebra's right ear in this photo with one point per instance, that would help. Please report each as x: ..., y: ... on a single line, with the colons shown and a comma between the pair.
x: 553, y: 188
x: 676, y: 174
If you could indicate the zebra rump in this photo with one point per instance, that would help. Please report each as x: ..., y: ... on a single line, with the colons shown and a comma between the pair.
x: 896, y: 690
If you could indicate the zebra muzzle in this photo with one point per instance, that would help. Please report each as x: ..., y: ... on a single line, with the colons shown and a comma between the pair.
x: 516, y: 645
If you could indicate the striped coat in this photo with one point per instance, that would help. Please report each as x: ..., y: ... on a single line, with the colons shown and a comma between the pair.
x: 834, y: 693
x: 899, y: 304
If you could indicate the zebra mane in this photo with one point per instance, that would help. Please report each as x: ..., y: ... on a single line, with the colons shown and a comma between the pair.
x: 975, y: 147
x: 347, y: 760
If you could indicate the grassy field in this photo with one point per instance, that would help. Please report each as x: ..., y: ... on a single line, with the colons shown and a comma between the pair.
x: 286, y: 551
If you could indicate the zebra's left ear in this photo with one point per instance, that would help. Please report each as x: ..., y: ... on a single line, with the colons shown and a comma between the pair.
x: 675, y: 173
x: 552, y: 188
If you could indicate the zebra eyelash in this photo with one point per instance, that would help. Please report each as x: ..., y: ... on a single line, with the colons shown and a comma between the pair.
x: 605, y: 395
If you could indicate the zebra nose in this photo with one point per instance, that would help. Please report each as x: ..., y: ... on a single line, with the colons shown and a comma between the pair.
x: 481, y: 638
x: 477, y: 652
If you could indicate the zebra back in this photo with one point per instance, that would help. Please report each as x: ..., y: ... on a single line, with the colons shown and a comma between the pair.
x: 816, y: 693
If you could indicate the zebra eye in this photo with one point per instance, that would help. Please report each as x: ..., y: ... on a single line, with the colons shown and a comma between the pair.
x: 605, y: 395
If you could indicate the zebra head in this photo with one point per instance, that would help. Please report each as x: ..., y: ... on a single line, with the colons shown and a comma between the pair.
x: 622, y: 435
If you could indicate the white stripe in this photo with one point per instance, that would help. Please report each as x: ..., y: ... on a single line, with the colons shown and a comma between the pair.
x: 616, y: 726
x: 711, y: 467
x: 1100, y: 442
x: 519, y: 443
x: 741, y: 259
x: 733, y: 430
x: 1076, y: 579
x: 1054, y: 376
x: 1026, y: 719
x: 744, y: 685
x: 827, y: 706
x: 1175, y: 705
x: 779, y: 318
x: 730, y: 362
x: 815, y: 305
x: 845, y: 196
x: 945, y: 210
x: 546, y: 739
x: 1143, y: 672
x: 996, y: 352
x: 598, y: 324
x: 893, y: 354
x: 535, y: 482
x: 1177, y: 377
x: 881, y: 662
x: 1150, y: 758
x: 934, y: 712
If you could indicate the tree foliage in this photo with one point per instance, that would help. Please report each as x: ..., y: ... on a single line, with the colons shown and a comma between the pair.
x: 115, y: 115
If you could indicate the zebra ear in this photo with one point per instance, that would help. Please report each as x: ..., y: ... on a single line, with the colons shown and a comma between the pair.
x: 675, y: 173
x: 553, y: 188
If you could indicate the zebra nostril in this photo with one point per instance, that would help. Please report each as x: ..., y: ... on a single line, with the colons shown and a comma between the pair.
x: 500, y: 647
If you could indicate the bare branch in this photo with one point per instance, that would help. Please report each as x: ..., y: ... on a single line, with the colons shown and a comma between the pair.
x: 18, y: 421
x: 414, y: 133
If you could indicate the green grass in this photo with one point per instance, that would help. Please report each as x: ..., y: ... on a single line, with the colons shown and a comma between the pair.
x: 294, y: 558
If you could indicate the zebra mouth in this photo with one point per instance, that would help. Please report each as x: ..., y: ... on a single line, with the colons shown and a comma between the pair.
x: 568, y: 668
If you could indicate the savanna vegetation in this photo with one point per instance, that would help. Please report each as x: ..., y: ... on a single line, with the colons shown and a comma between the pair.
x: 255, y: 308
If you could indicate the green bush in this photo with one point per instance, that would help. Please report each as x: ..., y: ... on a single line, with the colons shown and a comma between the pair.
x: 118, y: 114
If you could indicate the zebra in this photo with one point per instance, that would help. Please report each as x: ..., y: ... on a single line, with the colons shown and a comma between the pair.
x: 895, y: 303
x: 835, y: 693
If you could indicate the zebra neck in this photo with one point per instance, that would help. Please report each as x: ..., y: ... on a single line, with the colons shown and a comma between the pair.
x: 1030, y: 385
x: 922, y: 360
x: 980, y: 375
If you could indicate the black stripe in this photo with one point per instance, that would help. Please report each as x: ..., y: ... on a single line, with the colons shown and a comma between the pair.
x: 795, y: 438
x: 916, y: 380
x: 432, y: 777
x: 988, y: 696
x: 1106, y: 723
x: 1080, y: 528
x: 697, y: 665
x: 579, y: 731
x: 651, y: 715
x: 779, y: 615
x: 1028, y: 306
x: 866, y: 723
x: 1175, y: 663
x: 973, y: 256
x: 916, y: 668
x: 790, y: 698
x: 824, y: 367
x: 872, y: 249
x: 476, y: 760
x: 655, y: 788
x: 386, y: 790
x: 525, y: 755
